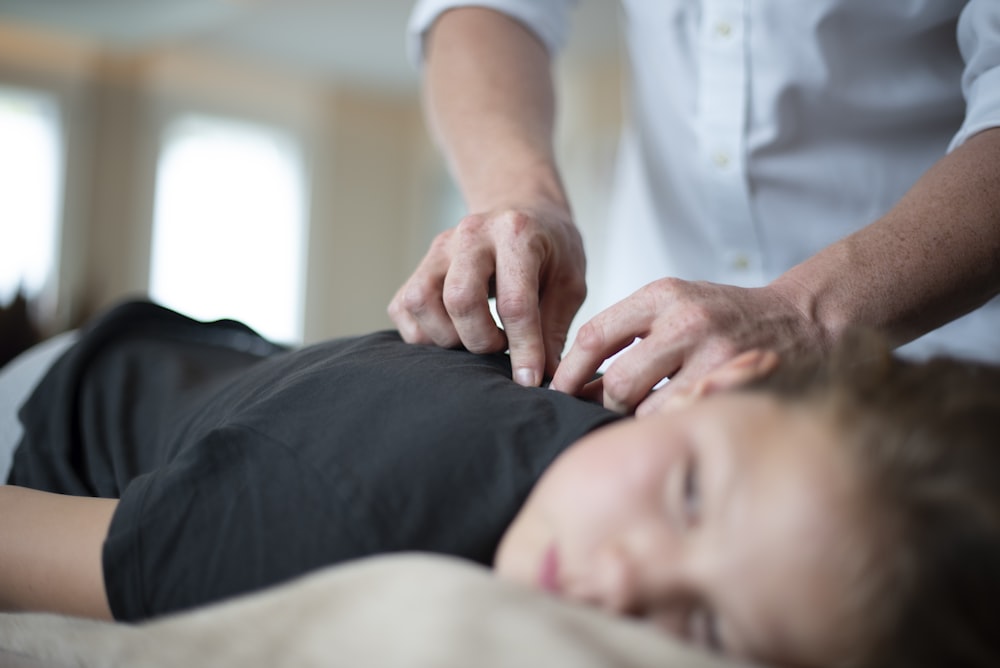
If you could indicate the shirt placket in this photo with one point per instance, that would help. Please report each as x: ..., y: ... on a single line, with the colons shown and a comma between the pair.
x: 721, y: 121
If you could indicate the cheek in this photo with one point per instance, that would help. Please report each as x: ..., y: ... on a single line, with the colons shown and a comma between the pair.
x: 589, y: 497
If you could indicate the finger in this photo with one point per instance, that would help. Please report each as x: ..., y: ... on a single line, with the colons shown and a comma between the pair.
x: 466, y: 300
x: 407, y: 325
x: 422, y: 299
x: 679, y: 392
x: 607, y: 333
x: 633, y: 374
x: 426, y: 308
x: 517, y: 305
x: 559, y: 304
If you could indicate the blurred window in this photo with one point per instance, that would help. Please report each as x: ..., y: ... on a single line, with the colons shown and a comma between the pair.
x: 30, y: 193
x: 229, y: 224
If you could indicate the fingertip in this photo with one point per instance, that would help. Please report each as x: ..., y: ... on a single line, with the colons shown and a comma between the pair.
x: 567, y: 385
x: 615, y: 405
x: 664, y: 400
x: 409, y: 330
x: 648, y: 407
x: 527, y: 377
x: 527, y: 357
x: 559, y: 381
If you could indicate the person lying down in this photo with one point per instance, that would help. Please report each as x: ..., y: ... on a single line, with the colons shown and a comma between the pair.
x: 835, y: 513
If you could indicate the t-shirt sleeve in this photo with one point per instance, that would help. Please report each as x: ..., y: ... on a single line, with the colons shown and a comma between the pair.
x: 100, y: 414
x: 979, y: 42
x: 234, y: 512
x: 548, y: 19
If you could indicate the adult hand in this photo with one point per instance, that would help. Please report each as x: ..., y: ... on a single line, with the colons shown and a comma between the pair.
x: 687, y: 329
x: 531, y: 260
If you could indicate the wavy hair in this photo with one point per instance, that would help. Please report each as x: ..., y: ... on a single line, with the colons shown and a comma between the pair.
x: 926, y: 438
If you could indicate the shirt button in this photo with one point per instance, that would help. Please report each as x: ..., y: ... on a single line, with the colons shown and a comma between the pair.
x: 721, y: 159
x: 723, y: 29
x: 741, y: 262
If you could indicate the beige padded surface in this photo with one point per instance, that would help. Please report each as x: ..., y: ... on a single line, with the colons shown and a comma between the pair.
x: 403, y: 610
x: 12, y: 660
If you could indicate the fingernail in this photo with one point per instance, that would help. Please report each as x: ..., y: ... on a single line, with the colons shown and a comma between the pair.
x: 525, y: 376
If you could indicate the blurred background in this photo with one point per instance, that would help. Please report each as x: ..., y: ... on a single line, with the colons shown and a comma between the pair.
x: 265, y: 160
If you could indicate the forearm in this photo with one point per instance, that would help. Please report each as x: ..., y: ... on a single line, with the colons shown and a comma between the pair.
x: 50, y: 552
x: 935, y: 256
x: 490, y: 102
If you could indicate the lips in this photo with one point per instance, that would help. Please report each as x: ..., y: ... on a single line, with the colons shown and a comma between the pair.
x: 548, y: 572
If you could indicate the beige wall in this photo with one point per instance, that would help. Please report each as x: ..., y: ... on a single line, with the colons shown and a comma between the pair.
x: 375, y: 181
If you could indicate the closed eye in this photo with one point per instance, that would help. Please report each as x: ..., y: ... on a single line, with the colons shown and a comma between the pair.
x: 703, y: 629
x: 691, y: 493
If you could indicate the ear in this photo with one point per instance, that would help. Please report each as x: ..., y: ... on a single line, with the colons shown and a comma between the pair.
x: 737, y: 371
x: 740, y: 370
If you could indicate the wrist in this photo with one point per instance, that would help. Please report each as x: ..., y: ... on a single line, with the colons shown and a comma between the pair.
x: 536, y: 188
x: 824, y: 317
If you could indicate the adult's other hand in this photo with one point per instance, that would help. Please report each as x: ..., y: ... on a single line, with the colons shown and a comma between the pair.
x: 686, y: 329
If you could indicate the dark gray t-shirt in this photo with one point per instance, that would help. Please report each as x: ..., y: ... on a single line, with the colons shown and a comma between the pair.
x: 240, y: 464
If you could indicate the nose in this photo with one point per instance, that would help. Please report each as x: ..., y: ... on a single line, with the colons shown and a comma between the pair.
x: 615, y: 582
x: 627, y: 582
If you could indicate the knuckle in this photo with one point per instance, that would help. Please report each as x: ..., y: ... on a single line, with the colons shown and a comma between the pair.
x: 590, y: 337
x: 617, y: 386
x: 480, y: 345
x: 470, y: 226
x: 700, y: 314
x: 441, y: 242
x: 514, y: 308
x: 460, y: 299
x: 646, y: 299
x: 668, y: 284
x: 395, y: 309
x: 662, y: 291
x: 517, y: 222
x: 417, y: 296
x: 524, y: 233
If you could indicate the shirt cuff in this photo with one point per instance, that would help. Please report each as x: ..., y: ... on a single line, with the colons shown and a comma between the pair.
x: 979, y: 41
x: 548, y: 20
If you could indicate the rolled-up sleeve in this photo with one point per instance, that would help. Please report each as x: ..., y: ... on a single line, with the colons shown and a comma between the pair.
x: 979, y: 42
x: 548, y: 19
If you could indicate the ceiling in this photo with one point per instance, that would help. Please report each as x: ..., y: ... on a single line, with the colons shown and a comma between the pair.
x: 357, y: 40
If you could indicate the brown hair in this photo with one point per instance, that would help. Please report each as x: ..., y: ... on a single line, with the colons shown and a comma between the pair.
x: 926, y: 436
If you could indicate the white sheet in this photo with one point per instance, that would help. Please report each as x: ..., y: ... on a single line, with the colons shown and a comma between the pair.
x: 18, y: 379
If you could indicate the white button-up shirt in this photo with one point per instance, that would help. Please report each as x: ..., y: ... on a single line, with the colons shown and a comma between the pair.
x: 763, y: 130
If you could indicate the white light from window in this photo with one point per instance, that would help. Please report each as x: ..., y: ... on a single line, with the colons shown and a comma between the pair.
x: 229, y: 225
x: 30, y: 191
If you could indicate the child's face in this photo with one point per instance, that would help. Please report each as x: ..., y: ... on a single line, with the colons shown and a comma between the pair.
x: 735, y: 522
